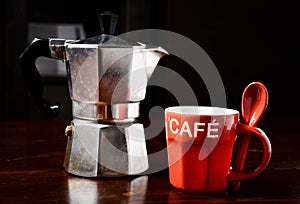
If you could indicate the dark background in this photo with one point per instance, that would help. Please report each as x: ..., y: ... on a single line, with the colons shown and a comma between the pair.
x: 247, y: 40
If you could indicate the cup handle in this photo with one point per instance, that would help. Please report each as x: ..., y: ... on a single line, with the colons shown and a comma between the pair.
x: 246, y: 129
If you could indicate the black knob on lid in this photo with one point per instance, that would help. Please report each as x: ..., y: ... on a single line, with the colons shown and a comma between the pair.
x: 108, y: 22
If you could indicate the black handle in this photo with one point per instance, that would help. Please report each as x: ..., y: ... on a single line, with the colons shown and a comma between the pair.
x: 38, y: 48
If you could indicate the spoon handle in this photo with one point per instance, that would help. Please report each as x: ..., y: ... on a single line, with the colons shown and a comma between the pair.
x: 238, y: 164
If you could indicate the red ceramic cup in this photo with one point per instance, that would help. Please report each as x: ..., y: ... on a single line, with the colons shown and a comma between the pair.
x: 200, y: 143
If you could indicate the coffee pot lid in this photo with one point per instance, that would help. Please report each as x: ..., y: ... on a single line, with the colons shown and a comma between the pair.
x: 105, y: 40
x: 108, y: 22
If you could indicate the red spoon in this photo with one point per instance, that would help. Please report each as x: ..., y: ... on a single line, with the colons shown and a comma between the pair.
x: 254, y: 103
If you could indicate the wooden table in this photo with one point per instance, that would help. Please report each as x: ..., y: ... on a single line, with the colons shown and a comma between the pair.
x: 31, y: 171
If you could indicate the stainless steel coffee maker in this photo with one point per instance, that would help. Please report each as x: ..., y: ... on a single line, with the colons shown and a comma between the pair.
x: 107, y: 79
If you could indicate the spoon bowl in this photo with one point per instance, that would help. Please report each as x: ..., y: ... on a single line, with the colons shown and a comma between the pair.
x: 254, y: 103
